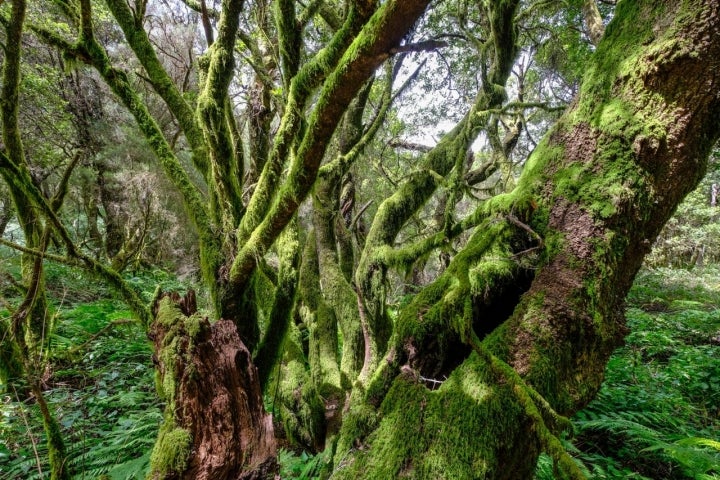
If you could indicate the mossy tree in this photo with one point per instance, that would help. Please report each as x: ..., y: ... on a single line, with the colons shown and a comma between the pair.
x: 473, y: 376
x: 24, y: 339
x: 573, y: 233
x: 315, y: 89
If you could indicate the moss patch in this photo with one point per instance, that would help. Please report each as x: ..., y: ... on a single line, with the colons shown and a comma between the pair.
x: 472, y: 415
x: 171, y: 452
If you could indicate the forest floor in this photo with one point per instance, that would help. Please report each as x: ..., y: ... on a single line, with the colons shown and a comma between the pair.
x: 656, y: 417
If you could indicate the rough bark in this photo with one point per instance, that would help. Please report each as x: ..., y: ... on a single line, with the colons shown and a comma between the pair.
x: 592, y: 199
x: 215, y: 426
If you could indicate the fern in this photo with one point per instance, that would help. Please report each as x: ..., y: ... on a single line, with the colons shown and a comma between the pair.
x: 656, y: 416
x: 302, y: 466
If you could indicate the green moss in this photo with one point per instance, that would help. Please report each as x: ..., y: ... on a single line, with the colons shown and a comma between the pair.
x: 320, y: 321
x: 631, y: 29
x: 270, y: 349
x: 471, y: 415
x: 298, y: 401
x: 337, y: 292
x: 180, y: 330
x: 171, y: 452
x: 323, y: 357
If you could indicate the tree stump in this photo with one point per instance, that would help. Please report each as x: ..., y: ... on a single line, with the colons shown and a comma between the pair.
x: 215, y: 425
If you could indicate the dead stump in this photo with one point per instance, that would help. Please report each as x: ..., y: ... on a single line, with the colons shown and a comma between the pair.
x: 215, y: 426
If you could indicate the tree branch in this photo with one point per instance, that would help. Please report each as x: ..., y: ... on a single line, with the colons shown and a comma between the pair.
x: 140, y: 43
x: 369, y: 50
x: 426, y: 46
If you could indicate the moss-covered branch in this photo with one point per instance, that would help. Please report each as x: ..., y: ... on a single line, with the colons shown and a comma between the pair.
x: 321, y: 323
x: 335, y: 289
x: 396, y: 210
x: 140, y: 43
x: 269, y: 351
x: 344, y: 161
x: 593, y: 21
x: 293, y: 122
x: 288, y: 28
x: 385, y: 29
x: 217, y: 120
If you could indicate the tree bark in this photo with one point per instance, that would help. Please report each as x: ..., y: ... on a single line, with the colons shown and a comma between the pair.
x: 591, y: 200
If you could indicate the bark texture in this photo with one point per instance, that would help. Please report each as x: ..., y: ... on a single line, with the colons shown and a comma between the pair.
x: 215, y: 426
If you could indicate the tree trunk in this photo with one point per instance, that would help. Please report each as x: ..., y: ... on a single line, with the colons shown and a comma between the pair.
x: 337, y: 292
x: 593, y: 197
x: 215, y: 425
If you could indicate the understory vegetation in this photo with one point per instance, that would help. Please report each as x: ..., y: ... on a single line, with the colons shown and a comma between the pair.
x: 657, y: 415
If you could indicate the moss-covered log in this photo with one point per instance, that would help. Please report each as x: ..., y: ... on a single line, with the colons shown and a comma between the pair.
x: 592, y: 197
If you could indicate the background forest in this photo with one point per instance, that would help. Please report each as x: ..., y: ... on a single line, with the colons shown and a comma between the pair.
x: 128, y: 174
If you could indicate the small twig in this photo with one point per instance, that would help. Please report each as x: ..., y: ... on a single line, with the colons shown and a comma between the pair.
x: 29, y: 433
x: 525, y: 252
x: 119, y: 321
x: 357, y: 215
x: 435, y: 383
x: 515, y: 221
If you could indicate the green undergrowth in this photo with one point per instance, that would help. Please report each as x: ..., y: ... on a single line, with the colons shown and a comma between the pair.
x: 98, y: 379
x: 67, y: 286
x: 99, y: 383
x: 657, y: 416
x: 300, y: 466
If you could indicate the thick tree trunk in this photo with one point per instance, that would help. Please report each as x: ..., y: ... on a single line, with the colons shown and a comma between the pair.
x: 215, y: 426
x: 591, y: 200
x: 337, y: 292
